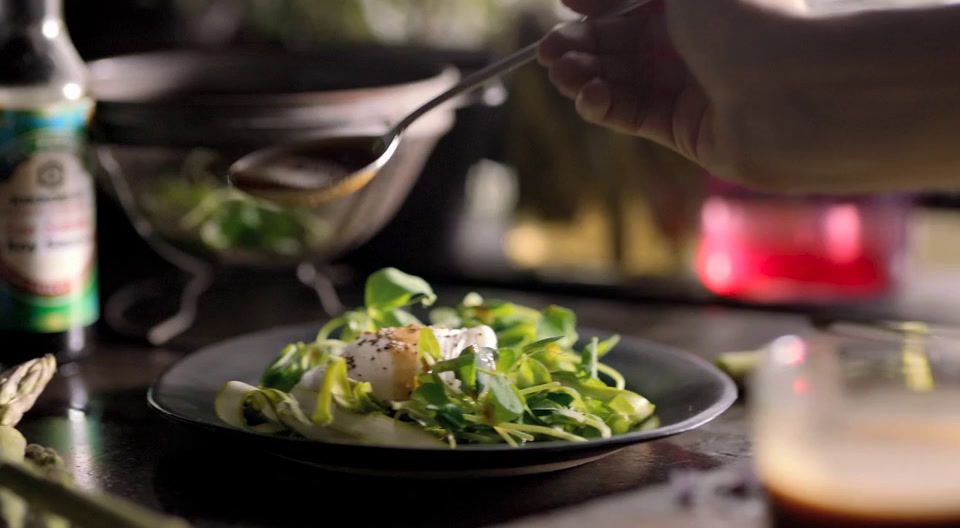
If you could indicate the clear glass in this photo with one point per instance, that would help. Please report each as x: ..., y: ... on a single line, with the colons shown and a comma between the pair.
x: 860, y: 430
x: 56, y: 73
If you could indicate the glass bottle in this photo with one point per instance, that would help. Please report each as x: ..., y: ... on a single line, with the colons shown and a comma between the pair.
x: 48, y: 279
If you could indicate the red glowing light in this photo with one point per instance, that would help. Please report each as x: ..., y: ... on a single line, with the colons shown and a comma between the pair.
x: 781, y: 249
x: 718, y: 271
x: 801, y: 386
x: 842, y: 233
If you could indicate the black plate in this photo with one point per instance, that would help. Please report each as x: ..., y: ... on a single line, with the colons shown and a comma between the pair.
x: 687, y: 390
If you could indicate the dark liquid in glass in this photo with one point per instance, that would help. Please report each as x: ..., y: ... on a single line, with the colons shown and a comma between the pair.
x: 787, y: 512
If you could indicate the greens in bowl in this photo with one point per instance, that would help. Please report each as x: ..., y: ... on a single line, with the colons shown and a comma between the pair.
x: 482, y: 372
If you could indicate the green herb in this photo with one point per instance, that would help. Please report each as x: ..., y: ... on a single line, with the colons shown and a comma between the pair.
x: 502, y: 401
x: 390, y: 288
x: 558, y: 321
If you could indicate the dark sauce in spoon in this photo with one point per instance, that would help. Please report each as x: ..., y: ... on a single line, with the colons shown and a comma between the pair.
x: 312, y: 166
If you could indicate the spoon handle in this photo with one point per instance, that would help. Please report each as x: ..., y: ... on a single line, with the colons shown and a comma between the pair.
x: 502, y: 67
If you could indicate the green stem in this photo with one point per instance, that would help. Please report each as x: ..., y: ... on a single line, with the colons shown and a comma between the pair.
x: 540, y: 388
x: 541, y: 430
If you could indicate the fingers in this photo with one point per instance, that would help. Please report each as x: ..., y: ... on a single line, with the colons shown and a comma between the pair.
x: 575, y: 69
x: 614, y: 106
x: 677, y: 120
x: 605, y: 36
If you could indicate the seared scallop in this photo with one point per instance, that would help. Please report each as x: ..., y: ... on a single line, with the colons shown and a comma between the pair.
x: 389, y: 359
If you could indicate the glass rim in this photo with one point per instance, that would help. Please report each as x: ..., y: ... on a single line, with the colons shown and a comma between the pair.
x: 885, y: 329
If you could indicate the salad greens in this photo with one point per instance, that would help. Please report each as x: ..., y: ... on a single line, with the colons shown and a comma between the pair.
x: 192, y: 207
x: 539, y: 384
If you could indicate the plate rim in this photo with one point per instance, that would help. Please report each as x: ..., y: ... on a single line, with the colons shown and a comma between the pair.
x: 729, y: 395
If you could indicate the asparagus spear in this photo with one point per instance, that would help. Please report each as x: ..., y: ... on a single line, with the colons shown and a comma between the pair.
x: 21, y: 385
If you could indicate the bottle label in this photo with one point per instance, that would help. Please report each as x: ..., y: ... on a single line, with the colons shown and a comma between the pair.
x: 48, y: 280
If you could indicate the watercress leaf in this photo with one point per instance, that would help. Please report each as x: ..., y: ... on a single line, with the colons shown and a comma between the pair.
x: 529, y: 372
x: 431, y: 394
x: 390, y: 288
x: 506, y: 358
x: 517, y: 334
x: 558, y: 321
x: 503, y: 401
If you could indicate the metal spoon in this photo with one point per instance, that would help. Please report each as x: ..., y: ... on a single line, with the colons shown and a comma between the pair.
x: 318, y: 171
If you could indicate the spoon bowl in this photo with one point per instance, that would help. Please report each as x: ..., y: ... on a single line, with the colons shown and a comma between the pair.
x: 316, y: 172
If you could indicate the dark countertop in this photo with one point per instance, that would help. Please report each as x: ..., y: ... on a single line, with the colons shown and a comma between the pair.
x: 95, y: 414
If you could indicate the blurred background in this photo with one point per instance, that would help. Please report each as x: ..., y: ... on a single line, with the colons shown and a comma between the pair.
x: 519, y: 192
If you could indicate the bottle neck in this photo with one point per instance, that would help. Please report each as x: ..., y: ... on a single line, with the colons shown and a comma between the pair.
x: 29, y: 12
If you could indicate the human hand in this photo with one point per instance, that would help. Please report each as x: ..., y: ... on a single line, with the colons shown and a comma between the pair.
x: 766, y: 93
x: 625, y: 74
